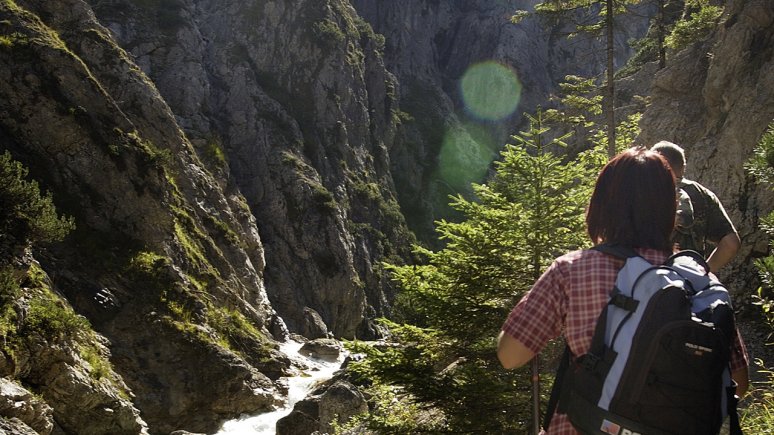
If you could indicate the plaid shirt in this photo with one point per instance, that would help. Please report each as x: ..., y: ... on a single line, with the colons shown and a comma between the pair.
x: 567, y: 299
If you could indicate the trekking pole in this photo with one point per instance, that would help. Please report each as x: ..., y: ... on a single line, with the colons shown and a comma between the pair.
x: 536, y: 395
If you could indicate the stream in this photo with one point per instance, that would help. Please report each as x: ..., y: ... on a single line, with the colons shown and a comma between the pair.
x: 298, y: 387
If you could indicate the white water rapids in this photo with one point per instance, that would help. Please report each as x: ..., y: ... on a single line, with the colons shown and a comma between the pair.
x: 298, y: 387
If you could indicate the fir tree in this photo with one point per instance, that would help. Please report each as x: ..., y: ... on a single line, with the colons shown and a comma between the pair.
x: 26, y: 215
x: 530, y: 212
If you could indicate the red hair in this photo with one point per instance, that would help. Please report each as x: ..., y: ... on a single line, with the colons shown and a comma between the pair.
x: 634, y: 201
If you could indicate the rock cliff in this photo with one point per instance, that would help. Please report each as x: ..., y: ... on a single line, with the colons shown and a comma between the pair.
x: 296, y: 96
x: 231, y: 164
x: 166, y: 262
x: 716, y: 98
x: 432, y: 47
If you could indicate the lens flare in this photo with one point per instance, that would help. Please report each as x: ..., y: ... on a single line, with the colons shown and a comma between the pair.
x: 490, y: 91
x: 463, y: 159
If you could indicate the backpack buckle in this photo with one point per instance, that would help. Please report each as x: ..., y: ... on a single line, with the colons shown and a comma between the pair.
x: 590, y: 362
x: 622, y: 301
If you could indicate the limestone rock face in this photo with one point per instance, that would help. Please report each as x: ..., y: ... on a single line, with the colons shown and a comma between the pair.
x: 444, y: 144
x: 716, y: 99
x: 322, y: 348
x: 297, y: 96
x: 14, y: 426
x: 18, y: 403
x: 166, y: 260
x: 78, y: 401
x: 336, y: 401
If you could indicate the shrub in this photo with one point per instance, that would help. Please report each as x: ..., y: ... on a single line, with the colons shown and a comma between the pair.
x: 699, y: 19
x: 26, y: 215
x: 9, y: 293
x: 759, y: 415
x: 53, y: 320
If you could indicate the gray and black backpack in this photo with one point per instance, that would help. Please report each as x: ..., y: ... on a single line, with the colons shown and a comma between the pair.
x: 659, y: 357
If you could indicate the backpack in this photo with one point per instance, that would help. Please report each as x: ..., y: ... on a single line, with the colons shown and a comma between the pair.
x: 658, y: 363
x: 691, y: 219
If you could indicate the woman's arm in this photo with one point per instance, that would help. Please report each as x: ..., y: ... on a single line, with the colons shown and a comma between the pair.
x: 511, y: 352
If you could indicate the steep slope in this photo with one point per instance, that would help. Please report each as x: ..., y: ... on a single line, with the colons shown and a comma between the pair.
x: 296, y: 95
x: 166, y: 261
x: 716, y: 99
x: 432, y: 47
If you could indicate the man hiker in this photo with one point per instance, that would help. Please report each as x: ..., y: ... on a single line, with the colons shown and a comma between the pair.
x: 701, y: 219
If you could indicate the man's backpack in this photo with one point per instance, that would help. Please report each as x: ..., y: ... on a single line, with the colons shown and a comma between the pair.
x: 691, y: 220
x: 658, y: 362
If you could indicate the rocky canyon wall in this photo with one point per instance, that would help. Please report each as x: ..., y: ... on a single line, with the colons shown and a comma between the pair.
x: 433, y: 46
x: 165, y: 260
x: 231, y: 164
x: 716, y: 99
x: 297, y: 97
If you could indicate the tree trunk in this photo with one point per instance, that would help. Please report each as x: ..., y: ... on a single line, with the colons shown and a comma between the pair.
x: 661, y: 35
x: 610, y: 104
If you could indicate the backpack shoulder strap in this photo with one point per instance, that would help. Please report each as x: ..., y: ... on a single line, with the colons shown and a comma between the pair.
x: 556, y: 390
x: 694, y: 255
x: 618, y: 251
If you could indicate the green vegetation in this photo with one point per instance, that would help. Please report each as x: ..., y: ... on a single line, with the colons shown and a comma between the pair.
x: 154, y: 156
x: 451, y: 307
x: 12, y: 39
x: 47, y: 316
x: 329, y: 32
x: 321, y: 196
x: 9, y: 294
x: 210, y: 151
x: 759, y: 415
x: 212, y: 325
x: 386, y: 230
x: 27, y: 216
x: 366, y: 31
x: 595, y: 17
x: 214, y: 152
x: 236, y: 331
x: 50, y: 317
x: 401, y: 117
x: 149, y: 270
x: 699, y: 18
x: 224, y: 229
x: 100, y: 366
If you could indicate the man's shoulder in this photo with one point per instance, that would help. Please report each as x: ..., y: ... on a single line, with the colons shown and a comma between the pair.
x: 696, y: 190
x: 693, y: 184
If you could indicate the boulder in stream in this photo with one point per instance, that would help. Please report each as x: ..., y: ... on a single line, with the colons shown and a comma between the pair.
x: 326, y: 349
x: 338, y: 400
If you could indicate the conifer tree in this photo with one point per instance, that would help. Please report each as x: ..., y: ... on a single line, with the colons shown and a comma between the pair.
x: 758, y: 416
x: 530, y: 212
x: 26, y: 215
x: 598, y: 18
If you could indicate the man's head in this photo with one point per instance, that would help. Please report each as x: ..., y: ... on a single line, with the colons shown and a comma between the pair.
x: 674, y: 155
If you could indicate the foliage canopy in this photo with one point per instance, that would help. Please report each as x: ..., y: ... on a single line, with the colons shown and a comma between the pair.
x: 26, y: 215
x: 759, y: 415
x: 452, y: 306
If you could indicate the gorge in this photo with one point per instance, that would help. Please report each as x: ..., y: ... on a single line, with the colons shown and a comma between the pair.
x: 240, y: 170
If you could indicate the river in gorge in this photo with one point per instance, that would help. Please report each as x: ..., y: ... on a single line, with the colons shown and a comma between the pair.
x: 298, y: 387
